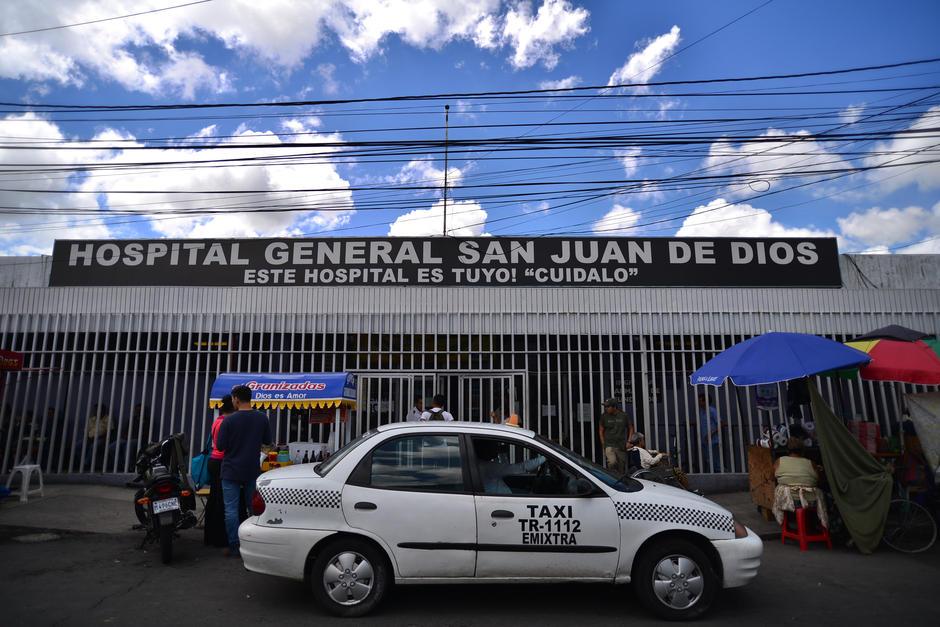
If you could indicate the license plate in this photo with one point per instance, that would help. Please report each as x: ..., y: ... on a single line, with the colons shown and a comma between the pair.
x: 166, y: 505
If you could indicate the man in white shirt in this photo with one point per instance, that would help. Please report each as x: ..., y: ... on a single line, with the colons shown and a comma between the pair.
x: 437, y: 411
x: 415, y: 414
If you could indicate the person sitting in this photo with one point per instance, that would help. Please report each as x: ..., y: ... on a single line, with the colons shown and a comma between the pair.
x: 648, y: 459
x: 798, y: 478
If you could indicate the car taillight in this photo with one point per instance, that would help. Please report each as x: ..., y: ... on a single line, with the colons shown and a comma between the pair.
x: 164, y: 488
x: 257, y: 504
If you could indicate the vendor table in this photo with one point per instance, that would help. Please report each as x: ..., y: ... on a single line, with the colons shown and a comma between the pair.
x: 761, y: 477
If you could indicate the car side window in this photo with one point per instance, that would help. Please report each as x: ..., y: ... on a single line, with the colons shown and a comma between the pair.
x: 507, y: 467
x: 429, y: 463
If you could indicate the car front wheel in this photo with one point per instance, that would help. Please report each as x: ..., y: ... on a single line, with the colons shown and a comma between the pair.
x: 349, y: 578
x: 676, y: 580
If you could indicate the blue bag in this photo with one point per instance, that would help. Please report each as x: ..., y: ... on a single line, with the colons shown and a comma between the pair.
x: 199, y: 467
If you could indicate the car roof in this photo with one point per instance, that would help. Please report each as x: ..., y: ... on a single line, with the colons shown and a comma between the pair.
x: 477, y: 427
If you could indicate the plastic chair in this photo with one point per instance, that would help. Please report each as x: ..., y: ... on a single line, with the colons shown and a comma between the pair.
x: 26, y: 474
x: 802, y: 533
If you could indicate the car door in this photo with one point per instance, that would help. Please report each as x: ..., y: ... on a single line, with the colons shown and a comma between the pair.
x: 414, y: 493
x: 538, y: 516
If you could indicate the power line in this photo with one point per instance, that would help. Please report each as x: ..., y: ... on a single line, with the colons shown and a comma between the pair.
x: 105, y: 19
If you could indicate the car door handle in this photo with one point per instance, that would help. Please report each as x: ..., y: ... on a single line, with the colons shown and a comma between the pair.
x: 502, y: 513
x: 366, y: 505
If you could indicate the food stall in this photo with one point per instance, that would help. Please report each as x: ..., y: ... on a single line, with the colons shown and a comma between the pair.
x: 322, y: 398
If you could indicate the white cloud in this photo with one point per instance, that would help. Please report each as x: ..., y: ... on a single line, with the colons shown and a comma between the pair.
x: 765, y: 159
x: 423, y: 172
x: 917, y: 148
x: 263, y: 181
x: 535, y: 38
x: 719, y: 218
x: 29, y: 234
x: 852, y: 113
x: 884, y: 227
x: 465, y: 218
x: 151, y: 54
x: 629, y: 158
x: 563, y: 83
x: 643, y: 65
x: 330, y: 85
x: 618, y: 221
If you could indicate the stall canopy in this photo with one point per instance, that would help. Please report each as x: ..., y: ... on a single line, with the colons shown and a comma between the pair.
x: 289, y: 390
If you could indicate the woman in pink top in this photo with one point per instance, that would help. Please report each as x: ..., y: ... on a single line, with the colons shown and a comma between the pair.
x: 214, y: 530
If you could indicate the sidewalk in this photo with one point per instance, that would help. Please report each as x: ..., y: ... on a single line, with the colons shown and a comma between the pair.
x: 75, y: 508
x: 110, y: 510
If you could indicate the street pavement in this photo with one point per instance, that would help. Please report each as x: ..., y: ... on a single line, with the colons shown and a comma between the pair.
x: 93, y: 579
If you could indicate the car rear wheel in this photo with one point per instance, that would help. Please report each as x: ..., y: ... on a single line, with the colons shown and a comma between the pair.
x: 676, y: 580
x: 349, y: 578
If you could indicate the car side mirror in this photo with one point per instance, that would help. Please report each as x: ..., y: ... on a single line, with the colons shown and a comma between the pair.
x: 584, y: 487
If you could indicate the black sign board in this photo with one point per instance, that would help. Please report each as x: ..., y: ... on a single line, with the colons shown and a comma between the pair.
x: 437, y: 261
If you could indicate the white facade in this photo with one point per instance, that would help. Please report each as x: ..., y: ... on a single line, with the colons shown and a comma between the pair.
x: 551, y: 355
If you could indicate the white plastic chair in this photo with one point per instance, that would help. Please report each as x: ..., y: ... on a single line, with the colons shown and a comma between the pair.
x: 26, y: 473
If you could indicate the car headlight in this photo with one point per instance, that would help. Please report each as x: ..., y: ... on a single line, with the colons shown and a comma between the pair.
x: 740, y: 531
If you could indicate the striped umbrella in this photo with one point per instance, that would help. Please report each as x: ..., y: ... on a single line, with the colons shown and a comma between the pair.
x: 900, y: 354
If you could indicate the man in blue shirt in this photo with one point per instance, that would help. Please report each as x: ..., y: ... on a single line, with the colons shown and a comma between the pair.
x: 709, y: 427
x: 241, y: 436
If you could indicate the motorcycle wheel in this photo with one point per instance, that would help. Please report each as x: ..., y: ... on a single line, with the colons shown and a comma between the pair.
x: 143, y: 515
x: 166, y: 544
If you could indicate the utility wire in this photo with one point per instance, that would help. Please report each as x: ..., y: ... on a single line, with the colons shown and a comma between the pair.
x: 105, y: 19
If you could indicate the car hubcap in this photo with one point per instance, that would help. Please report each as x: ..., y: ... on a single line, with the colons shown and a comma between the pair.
x: 678, y: 582
x: 348, y: 578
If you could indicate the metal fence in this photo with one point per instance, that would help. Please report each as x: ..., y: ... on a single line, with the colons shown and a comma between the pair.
x: 98, y: 384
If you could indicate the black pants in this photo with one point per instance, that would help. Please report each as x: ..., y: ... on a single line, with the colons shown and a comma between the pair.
x: 214, y: 522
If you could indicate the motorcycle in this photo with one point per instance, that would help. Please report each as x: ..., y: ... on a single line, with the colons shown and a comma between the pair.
x: 167, y: 502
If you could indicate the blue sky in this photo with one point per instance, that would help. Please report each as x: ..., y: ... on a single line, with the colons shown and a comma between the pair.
x: 242, y: 51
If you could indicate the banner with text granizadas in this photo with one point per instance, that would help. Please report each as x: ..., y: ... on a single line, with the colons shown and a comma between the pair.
x: 451, y: 261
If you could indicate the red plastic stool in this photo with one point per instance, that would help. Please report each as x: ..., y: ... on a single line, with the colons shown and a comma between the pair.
x: 802, y: 534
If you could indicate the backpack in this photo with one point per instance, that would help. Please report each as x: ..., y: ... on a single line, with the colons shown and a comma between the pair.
x: 436, y: 415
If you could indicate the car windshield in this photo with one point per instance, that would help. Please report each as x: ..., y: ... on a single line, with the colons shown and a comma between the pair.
x: 323, y: 468
x: 623, y: 485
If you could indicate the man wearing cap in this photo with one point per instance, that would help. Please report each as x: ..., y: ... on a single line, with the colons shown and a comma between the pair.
x: 614, y: 429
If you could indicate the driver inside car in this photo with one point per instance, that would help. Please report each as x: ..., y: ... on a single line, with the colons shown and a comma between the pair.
x: 495, y: 465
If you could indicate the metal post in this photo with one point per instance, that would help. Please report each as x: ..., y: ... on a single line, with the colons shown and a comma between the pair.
x: 446, y: 127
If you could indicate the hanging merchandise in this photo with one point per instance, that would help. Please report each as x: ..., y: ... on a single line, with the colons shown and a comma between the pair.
x: 768, y: 397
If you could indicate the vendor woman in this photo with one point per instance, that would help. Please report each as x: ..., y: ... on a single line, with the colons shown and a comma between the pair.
x: 797, y: 482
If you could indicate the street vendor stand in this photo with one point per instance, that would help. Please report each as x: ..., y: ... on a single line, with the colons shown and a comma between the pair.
x: 326, y: 398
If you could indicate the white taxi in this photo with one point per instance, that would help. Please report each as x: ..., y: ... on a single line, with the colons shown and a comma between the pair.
x: 416, y: 503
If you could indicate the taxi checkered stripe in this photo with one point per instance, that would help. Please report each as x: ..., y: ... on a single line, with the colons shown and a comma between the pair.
x: 671, y: 513
x: 328, y: 499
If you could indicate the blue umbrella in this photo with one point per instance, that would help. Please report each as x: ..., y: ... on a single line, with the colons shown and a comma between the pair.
x: 775, y: 357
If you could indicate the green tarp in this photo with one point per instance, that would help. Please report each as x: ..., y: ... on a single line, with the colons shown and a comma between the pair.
x: 859, y: 483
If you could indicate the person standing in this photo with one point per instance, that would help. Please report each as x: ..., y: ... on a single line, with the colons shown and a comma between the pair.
x: 415, y: 414
x: 214, y: 523
x: 709, y: 427
x: 437, y: 411
x: 241, y: 436
x: 615, y: 429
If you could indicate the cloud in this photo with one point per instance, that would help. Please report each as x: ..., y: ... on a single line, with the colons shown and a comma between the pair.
x: 153, y: 54
x: 719, y: 218
x: 629, y: 158
x: 330, y: 86
x: 643, y: 65
x: 423, y: 172
x: 618, y: 221
x: 852, y: 113
x: 30, y: 234
x: 765, y: 160
x: 562, y: 83
x: 925, y: 177
x: 535, y: 38
x: 884, y: 227
x: 465, y: 218
x: 257, y: 185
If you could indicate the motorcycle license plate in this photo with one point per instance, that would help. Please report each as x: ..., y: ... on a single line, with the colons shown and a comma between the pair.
x: 166, y: 505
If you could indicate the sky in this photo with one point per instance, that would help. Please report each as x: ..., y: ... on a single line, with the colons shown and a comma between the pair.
x: 769, y: 164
